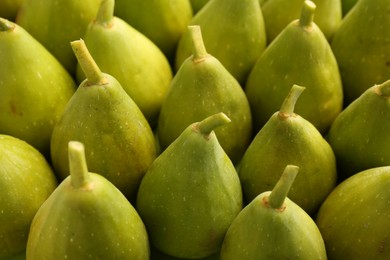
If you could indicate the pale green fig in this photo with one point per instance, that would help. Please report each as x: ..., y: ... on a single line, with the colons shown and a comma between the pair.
x: 354, y: 218
x: 161, y: 21
x: 361, y: 47
x: 288, y: 138
x: 191, y: 193
x: 233, y: 32
x: 86, y: 217
x: 56, y: 23
x: 299, y: 55
x: 9, y: 8
x: 203, y: 87
x: 129, y: 56
x: 26, y: 181
x: 279, y: 13
x: 272, y: 226
x: 359, y: 134
x: 34, y: 87
x: 101, y: 115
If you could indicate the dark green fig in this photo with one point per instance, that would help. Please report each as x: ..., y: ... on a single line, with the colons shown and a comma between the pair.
x: 191, y: 193
x: 279, y: 13
x: 354, y: 218
x: 9, y: 8
x: 272, y: 226
x: 233, y: 32
x: 361, y: 47
x: 288, y: 138
x: 198, y: 4
x: 26, y: 181
x: 101, y: 115
x: 86, y: 217
x: 347, y: 5
x: 161, y: 21
x: 56, y: 23
x: 359, y: 135
x: 299, y: 55
x: 129, y: 56
x: 34, y: 87
x: 203, y: 87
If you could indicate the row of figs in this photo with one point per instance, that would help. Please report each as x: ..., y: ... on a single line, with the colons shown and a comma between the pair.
x: 194, y: 129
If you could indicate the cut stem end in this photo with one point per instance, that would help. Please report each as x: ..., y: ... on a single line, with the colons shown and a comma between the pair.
x: 79, y: 174
x: 210, y: 123
x: 282, y: 187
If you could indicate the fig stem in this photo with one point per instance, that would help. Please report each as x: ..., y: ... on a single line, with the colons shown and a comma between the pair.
x: 307, y: 13
x: 77, y: 164
x: 88, y: 65
x: 210, y: 123
x: 384, y: 88
x: 282, y: 187
x: 106, y: 12
x: 199, y: 51
x: 288, y: 106
x: 6, y: 25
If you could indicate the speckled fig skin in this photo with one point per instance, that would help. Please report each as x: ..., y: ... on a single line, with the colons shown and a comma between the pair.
x: 299, y: 55
x: 26, y: 181
x: 129, y: 56
x: 203, y: 87
x: 121, y: 144
x: 86, y: 217
x: 191, y: 193
x: 354, y: 219
x: 272, y: 226
x: 289, y: 138
x: 359, y: 135
x: 34, y: 87
x: 361, y: 47
x: 233, y: 32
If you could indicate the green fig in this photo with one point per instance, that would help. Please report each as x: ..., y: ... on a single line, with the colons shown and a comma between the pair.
x: 272, y: 226
x: 361, y: 47
x: 9, y: 8
x: 289, y: 138
x: 191, y: 193
x: 233, y: 32
x: 34, y: 87
x: 279, y: 13
x: 135, y: 61
x: 359, y: 134
x: 86, y: 217
x: 26, y: 181
x: 161, y: 21
x: 56, y: 23
x: 101, y: 115
x: 299, y: 55
x: 354, y: 218
x: 199, y: 89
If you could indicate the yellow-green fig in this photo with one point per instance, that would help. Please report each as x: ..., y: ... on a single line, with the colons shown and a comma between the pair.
x: 34, y: 87
x: 55, y: 23
x: 129, y: 56
x: 101, y: 115
x: 359, y: 134
x: 279, y: 13
x: 191, y: 193
x: 203, y: 87
x: 289, y: 138
x: 361, y: 47
x: 272, y: 226
x: 299, y: 55
x: 161, y: 21
x: 86, y: 217
x: 233, y: 32
x: 354, y: 218
x: 26, y: 181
